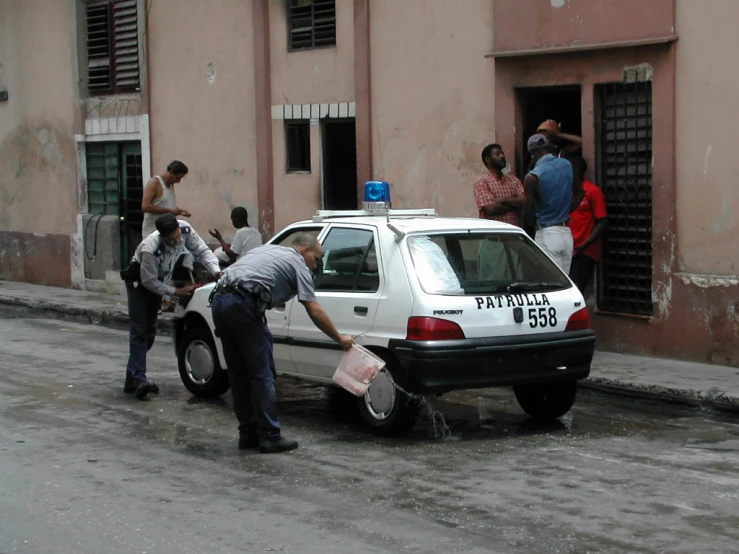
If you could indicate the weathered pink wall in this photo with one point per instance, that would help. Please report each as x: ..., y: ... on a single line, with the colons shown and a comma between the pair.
x: 201, y: 69
x: 433, y: 99
x: 38, y: 161
x: 528, y: 24
x: 707, y: 114
x: 37, y: 149
x: 322, y: 75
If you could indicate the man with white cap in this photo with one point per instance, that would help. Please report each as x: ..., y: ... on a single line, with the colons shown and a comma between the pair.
x: 550, y: 195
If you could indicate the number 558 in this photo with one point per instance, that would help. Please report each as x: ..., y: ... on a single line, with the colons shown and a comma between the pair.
x: 542, y: 317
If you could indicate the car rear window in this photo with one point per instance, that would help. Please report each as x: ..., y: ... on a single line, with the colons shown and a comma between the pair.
x: 482, y: 263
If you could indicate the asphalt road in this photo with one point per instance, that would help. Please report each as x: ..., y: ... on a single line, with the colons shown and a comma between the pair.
x: 85, y: 468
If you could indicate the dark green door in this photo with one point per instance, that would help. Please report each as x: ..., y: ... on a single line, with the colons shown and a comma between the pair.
x: 115, y: 187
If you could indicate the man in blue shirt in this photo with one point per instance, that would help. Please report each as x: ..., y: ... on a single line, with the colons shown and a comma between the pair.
x: 550, y: 195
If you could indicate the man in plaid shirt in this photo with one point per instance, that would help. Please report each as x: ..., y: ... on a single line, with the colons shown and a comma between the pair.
x: 498, y: 196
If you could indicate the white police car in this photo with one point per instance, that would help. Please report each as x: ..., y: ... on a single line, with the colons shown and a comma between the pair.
x: 448, y: 303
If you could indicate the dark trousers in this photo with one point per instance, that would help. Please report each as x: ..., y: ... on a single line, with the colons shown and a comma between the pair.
x: 143, y: 307
x: 247, y: 347
x: 581, y: 271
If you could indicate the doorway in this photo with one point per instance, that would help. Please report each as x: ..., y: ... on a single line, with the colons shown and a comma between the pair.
x: 561, y: 103
x: 340, y: 165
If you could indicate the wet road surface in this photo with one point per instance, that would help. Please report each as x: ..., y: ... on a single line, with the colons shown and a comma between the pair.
x: 86, y: 468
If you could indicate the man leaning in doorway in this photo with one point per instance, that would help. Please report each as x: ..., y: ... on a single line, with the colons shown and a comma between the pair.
x: 587, y: 225
x: 550, y: 194
x: 498, y: 197
x: 159, y: 197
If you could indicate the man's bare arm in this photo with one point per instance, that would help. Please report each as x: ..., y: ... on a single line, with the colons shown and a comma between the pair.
x: 530, y: 188
x: 321, y: 320
x: 152, y: 191
x: 600, y: 226
x: 578, y: 193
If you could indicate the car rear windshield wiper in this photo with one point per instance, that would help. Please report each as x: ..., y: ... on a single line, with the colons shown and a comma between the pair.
x: 520, y: 287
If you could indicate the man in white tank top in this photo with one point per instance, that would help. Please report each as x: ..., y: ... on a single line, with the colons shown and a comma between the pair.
x: 159, y: 197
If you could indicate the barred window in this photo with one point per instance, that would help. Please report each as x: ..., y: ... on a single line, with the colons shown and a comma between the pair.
x: 624, y: 169
x: 112, y: 38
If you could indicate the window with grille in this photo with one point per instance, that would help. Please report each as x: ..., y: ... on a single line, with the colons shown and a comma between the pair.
x: 624, y: 171
x: 112, y: 38
x: 297, y: 135
x: 311, y: 23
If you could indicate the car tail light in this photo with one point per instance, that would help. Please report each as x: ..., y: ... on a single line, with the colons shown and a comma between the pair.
x: 579, y: 320
x: 432, y: 328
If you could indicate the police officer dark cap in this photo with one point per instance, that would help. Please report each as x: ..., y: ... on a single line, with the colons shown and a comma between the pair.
x: 166, y: 224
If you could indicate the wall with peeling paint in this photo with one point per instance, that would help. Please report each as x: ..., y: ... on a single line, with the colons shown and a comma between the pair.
x: 38, y: 160
x: 707, y: 82
x: 433, y: 95
x: 321, y: 75
x: 38, y: 187
x: 201, y: 78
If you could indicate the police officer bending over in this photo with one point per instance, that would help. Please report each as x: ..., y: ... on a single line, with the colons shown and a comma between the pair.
x: 265, y: 277
x: 148, y: 278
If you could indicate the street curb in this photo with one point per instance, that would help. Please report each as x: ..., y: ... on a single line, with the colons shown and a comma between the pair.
x: 109, y: 318
x: 704, y: 400
x: 711, y: 400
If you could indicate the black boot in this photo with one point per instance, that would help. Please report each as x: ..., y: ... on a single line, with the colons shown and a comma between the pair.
x: 277, y: 444
x: 143, y: 388
x: 248, y: 441
x: 130, y: 383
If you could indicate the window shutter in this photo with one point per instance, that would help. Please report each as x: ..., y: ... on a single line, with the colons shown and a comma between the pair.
x: 324, y: 23
x: 312, y: 23
x: 126, y: 45
x: 99, y: 77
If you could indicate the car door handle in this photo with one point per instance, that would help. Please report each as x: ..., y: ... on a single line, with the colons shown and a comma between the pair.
x: 361, y: 310
x: 279, y: 308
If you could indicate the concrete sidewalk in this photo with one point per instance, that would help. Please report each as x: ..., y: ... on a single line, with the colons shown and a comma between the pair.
x: 703, y: 385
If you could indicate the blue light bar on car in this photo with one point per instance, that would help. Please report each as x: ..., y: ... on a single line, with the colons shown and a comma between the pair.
x: 376, y: 195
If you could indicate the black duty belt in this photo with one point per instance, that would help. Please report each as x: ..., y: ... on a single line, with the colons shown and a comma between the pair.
x: 254, y: 290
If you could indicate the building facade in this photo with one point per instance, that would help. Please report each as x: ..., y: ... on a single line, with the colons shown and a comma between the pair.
x: 285, y: 106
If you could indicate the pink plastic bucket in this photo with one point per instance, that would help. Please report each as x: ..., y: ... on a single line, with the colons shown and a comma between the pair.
x: 357, y: 369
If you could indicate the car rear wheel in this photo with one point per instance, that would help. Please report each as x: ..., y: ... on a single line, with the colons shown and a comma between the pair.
x: 385, y: 409
x: 546, y: 401
x: 200, y: 370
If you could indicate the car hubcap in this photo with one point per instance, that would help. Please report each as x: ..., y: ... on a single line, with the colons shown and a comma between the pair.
x: 380, y: 397
x: 199, y: 362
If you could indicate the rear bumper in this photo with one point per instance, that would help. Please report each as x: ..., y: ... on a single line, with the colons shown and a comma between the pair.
x: 442, y: 366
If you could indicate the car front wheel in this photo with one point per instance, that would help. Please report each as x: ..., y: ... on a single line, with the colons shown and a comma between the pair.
x: 198, y: 363
x: 385, y: 409
x: 546, y: 401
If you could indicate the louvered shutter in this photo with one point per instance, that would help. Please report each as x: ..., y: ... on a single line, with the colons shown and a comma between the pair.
x: 312, y: 23
x: 126, y: 45
x: 99, y: 73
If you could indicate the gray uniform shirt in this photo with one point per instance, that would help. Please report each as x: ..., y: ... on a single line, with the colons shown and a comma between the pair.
x: 279, y: 269
x: 158, y: 260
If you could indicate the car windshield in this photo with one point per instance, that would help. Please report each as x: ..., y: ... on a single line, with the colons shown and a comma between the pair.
x: 482, y: 263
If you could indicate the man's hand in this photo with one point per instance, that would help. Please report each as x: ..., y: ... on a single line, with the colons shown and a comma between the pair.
x: 183, y: 213
x: 218, y: 274
x: 184, y: 292
x: 346, y: 341
x: 216, y: 234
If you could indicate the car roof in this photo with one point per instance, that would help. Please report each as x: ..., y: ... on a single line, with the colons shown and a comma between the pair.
x: 418, y: 224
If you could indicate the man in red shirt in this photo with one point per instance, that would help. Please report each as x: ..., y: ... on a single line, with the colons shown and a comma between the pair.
x: 587, y: 224
x: 498, y: 196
